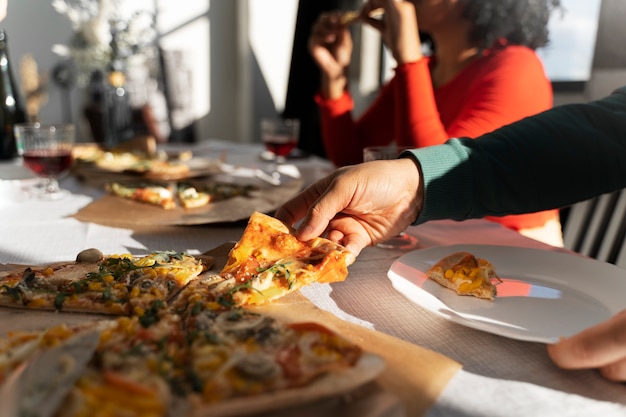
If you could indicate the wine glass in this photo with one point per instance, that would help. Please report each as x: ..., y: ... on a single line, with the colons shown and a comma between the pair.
x: 47, y: 151
x: 280, y: 137
x: 403, y: 240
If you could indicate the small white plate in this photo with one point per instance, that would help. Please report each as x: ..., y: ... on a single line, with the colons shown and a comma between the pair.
x: 545, y: 295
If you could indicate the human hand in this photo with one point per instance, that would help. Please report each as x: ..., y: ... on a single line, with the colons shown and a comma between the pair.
x: 602, y: 346
x: 359, y: 205
x: 398, y: 27
x: 330, y: 46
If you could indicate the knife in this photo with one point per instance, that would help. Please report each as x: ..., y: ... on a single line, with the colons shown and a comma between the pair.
x: 37, y: 387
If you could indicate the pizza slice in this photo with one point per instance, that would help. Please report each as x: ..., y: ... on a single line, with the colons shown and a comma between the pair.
x: 466, y: 274
x: 269, y: 262
x: 134, y: 371
x: 155, y: 194
x: 239, y: 355
x: 213, y: 363
x: 114, y: 284
x: 166, y: 169
x: 54, y: 287
x: 191, y: 197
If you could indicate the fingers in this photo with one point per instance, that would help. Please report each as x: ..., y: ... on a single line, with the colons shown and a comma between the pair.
x: 296, y: 208
x: 331, y: 201
x: 350, y: 231
x: 602, y: 346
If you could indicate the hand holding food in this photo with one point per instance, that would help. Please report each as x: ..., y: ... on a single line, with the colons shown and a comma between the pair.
x: 355, y: 215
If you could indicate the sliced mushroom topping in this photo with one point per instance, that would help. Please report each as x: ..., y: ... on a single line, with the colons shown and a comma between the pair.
x: 242, y: 324
x: 31, y: 281
x: 205, y: 320
x: 89, y: 256
x: 258, y: 365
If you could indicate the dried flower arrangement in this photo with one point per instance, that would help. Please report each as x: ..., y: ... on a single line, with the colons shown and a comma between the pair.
x: 105, y: 34
x: 34, y: 87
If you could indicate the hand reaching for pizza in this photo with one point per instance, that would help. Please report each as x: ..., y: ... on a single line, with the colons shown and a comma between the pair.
x: 353, y: 214
x: 602, y: 346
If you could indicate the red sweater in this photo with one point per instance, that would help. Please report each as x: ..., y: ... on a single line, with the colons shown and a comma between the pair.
x: 503, y: 86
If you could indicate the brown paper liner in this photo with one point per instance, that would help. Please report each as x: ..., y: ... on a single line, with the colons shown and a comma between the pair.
x: 415, y: 374
x: 119, y: 212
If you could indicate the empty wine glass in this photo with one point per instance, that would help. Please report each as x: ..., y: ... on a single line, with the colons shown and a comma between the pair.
x: 402, y: 240
x: 47, y: 151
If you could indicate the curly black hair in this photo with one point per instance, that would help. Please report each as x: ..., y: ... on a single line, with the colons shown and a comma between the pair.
x: 520, y: 22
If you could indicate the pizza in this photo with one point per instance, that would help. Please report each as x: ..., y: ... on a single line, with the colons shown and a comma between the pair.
x: 183, y: 194
x: 135, y: 161
x: 160, y: 195
x: 466, y: 274
x: 269, y: 262
x: 186, y: 340
x: 94, y: 283
x: 206, y: 363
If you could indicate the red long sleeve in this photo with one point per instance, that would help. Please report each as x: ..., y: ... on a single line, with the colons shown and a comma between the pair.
x: 502, y: 86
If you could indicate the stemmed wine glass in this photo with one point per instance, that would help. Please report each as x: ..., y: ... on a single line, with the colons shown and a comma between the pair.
x: 47, y: 151
x: 280, y: 137
x: 402, y: 240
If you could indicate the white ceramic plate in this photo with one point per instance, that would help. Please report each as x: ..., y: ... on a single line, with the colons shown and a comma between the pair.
x: 544, y: 295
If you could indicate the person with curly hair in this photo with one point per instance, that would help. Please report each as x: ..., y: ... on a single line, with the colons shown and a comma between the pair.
x: 483, y: 73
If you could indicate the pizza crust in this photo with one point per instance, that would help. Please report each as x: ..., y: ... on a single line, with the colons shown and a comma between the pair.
x: 332, y: 384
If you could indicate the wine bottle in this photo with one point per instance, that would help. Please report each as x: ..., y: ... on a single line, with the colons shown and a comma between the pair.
x: 117, y: 110
x: 11, y: 104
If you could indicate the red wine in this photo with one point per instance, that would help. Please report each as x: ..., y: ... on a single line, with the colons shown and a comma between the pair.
x: 48, y: 162
x: 280, y: 145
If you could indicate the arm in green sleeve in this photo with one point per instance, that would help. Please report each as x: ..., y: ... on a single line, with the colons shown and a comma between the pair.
x: 551, y: 160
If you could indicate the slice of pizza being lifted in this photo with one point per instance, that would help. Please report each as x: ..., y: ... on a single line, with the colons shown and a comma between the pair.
x: 269, y: 262
x: 466, y: 274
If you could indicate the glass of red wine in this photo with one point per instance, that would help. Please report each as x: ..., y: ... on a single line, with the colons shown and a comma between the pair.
x: 47, y: 151
x: 280, y: 137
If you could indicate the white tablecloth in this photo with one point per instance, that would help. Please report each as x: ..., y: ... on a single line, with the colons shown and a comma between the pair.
x: 500, y: 376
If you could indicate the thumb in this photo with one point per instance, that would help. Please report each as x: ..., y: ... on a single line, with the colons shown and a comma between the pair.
x: 321, y: 212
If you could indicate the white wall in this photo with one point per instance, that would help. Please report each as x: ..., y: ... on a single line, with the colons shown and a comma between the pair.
x: 240, y: 51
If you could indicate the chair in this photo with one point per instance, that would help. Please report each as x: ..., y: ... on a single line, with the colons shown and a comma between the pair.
x: 597, y: 228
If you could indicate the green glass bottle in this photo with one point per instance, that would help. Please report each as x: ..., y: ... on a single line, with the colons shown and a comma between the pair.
x: 11, y: 104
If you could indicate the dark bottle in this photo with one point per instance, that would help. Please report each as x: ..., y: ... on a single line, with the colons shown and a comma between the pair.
x: 11, y: 105
x: 117, y: 111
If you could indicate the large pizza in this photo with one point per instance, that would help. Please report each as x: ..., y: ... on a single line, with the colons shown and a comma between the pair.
x: 182, y: 339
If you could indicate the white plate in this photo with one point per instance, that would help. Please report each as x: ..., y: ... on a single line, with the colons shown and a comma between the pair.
x: 544, y: 295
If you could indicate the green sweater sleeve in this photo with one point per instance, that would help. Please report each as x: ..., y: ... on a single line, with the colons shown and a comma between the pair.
x: 551, y: 160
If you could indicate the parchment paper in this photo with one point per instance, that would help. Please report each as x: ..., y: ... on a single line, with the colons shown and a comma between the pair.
x: 111, y: 210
